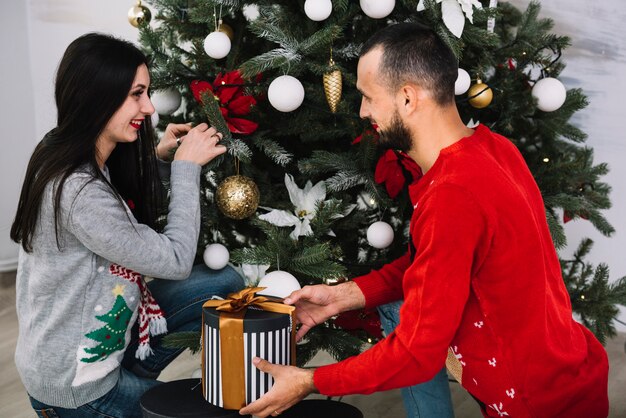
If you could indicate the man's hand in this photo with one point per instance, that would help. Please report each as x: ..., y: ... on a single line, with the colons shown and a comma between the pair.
x: 315, y: 304
x: 291, y: 385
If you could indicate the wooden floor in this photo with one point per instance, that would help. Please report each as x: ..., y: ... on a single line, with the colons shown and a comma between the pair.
x: 14, y: 403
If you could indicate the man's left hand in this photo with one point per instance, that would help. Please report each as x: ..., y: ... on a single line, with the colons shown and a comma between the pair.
x: 291, y: 384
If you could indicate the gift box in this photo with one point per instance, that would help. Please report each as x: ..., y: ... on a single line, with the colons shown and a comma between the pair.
x: 234, y: 331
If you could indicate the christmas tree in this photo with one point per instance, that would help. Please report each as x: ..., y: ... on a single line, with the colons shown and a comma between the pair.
x: 279, y: 76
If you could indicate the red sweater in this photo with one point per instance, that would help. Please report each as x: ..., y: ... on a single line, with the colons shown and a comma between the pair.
x: 483, y: 280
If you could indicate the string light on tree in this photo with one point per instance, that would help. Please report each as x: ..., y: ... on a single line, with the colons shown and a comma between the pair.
x: 377, y: 9
x: 462, y: 83
x: 216, y: 256
x: 550, y: 94
x: 285, y: 93
x: 318, y: 10
x: 380, y: 235
x: 166, y: 101
x: 237, y: 197
x: 139, y: 15
x: 278, y: 283
x: 480, y: 95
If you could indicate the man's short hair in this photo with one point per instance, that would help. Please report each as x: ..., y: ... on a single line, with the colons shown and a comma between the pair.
x: 414, y: 53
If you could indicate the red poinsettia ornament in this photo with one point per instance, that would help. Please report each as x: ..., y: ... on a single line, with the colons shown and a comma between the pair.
x: 229, y: 91
x: 365, y: 319
x: 395, y: 169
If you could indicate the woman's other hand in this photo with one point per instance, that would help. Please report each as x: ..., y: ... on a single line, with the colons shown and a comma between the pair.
x: 199, y: 145
x: 168, y: 143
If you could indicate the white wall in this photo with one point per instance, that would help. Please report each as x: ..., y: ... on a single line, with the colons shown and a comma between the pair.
x: 17, y: 121
x: 33, y: 37
x: 34, y: 34
x: 596, y: 62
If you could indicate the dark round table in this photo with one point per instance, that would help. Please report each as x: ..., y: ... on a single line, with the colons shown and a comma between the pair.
x: 183, y: 399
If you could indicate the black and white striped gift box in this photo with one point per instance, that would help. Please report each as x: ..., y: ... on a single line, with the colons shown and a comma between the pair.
x: 265, y: 334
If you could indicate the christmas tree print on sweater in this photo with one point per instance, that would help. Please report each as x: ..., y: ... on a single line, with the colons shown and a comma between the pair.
x: 95, y: 361
x: 112, y: 335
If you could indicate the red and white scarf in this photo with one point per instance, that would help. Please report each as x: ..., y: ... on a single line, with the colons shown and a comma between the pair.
x: 151, y: 318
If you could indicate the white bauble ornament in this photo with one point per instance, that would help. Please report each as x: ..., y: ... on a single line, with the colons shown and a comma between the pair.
x: 380, y: 235
x: 166, y: 101
x: 318, y: 10
x: 285, y: 93
x: 217, y: 45
x: 377, y: 9
x: 154, y: 118
x: 463, y: 82
x: 278, y: 283
x: 215, y: 256
x: 197, y: 374
x: 550, y: 94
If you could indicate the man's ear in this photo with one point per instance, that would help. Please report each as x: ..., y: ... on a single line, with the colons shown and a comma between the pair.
x: 410, y: 97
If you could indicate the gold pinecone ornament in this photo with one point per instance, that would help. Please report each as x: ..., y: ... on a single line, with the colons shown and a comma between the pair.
x: 332, y: 86
x: 237, y: 197
x: 139, y: 15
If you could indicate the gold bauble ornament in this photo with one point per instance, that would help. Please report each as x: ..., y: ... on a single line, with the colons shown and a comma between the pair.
x: 237, y: 197
x: 332, y: 87
x: 228, y: 30
x: 483, y: 93
x: 139, y: 15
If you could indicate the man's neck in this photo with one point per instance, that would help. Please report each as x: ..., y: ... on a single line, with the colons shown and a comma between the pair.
x: 437, y: 130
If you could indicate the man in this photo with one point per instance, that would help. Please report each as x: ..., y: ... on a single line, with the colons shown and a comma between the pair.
x: 482, y: 284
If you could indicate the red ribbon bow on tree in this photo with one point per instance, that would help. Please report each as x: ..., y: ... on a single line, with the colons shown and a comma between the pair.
x: 229, y: 90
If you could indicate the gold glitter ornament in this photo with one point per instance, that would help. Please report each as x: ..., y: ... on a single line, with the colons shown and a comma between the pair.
x: 139, y: 15
x: 332, y: 86
x: 237, y: 197
x: 483, y: 93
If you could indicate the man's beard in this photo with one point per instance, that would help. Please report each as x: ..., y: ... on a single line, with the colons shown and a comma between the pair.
x: 396, y: 136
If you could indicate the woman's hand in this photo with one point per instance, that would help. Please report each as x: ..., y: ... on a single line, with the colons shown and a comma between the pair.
x: 168, y: 142
x: 200, y: 145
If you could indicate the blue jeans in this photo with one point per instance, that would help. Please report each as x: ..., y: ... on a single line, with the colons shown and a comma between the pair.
x: 426, y: 400
x: 181, y: 301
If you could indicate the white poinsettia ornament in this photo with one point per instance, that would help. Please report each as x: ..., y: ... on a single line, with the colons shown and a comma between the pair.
x: 253, y: 273
x: 453, y: 13
x: 304, y: 202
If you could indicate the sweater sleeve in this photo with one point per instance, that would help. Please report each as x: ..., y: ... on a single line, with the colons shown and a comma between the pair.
x: 447, y: 232
x: 384, y: 285
x: 98, y: 220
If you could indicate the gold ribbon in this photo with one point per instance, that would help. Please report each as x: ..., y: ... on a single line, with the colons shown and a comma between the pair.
x: 232, y: 311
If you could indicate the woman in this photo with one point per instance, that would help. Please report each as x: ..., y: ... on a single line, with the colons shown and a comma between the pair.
x: 86, y: 223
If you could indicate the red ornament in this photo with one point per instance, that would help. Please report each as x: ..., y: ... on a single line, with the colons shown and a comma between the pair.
x: 131, y: 204
x: 394, y: 169
x: 229, y: 91
x: 568, y: 216
x: 367, y: 133
x: 365, y: 319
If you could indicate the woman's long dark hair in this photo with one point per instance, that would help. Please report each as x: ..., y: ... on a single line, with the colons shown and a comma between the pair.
x: 93, y: 80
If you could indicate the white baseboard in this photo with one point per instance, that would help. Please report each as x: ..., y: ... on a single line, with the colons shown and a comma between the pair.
x: 8, y: 265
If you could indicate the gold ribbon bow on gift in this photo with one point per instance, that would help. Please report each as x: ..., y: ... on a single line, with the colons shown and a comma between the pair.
x: 232, y: 311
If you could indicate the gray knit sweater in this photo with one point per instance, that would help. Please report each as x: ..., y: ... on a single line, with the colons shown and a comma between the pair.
x: 75, y: 310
